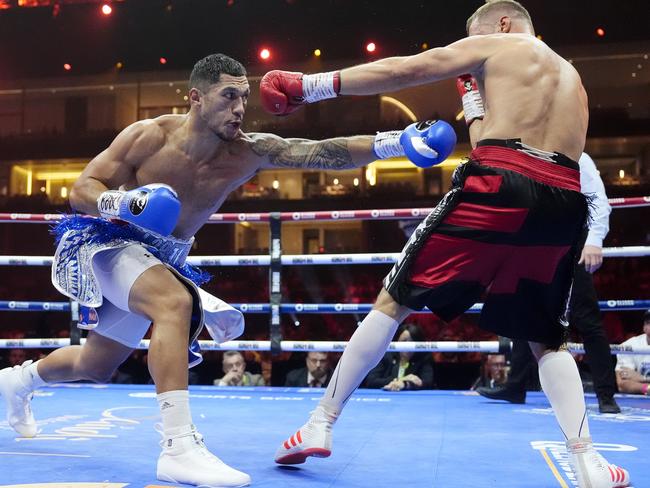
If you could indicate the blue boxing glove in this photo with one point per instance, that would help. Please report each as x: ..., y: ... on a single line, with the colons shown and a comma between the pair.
x: 152, y: 207
x: 425, y: 143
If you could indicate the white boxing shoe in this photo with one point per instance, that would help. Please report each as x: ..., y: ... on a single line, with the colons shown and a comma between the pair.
x: 591, y: 469
x: 312, y: 439
x: 185, y: 459
x: 18, y: 399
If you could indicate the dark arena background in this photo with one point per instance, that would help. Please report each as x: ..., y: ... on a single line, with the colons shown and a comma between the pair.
x: 302, y: 252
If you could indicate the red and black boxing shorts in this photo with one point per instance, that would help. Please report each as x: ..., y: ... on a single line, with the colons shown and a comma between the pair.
x: 507, y: 233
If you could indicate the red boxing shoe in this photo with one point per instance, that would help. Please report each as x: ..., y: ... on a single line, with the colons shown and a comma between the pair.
x: 591, y: 469
x: 314, y: 439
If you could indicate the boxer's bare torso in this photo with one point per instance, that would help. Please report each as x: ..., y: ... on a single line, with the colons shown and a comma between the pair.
x: 528, y: 90
x: 202, y: 167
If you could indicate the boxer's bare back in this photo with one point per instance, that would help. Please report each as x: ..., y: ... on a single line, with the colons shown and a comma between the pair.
x: 529, y: 91
x: 532, y: 93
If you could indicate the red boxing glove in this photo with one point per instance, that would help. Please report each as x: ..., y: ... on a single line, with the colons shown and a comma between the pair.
x: 471, y: 98
x: 281, y: 92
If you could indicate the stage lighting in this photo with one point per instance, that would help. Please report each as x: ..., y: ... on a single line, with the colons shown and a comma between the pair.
x: 67, y: 66
x: 163, y: 60
x: 317, y: 52
x: 107, y: 9
x: 371, y: 47
x: 265, y: 54
x: 600, y: 32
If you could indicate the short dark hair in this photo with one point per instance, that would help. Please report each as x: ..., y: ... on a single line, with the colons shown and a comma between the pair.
x: 513, y: 7
x: 414, y: 330
x: 207, y: 71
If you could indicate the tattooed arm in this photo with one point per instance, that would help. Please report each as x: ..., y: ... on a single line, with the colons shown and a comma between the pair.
x: 337, y: 153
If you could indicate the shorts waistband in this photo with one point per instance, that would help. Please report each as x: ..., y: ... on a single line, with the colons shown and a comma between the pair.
x: 551, y: 168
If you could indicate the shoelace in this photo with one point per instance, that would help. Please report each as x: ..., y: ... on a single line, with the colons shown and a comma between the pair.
x: 323, y: 418
x: 616, y: 473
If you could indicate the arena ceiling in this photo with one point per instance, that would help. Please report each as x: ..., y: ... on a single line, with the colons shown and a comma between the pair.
x: 39, y: 41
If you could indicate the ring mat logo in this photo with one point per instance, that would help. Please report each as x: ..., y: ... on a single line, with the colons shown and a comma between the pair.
x: 138, y: 203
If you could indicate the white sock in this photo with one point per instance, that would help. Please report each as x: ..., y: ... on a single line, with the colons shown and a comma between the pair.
x: 175, y: 410
x: 31, y: 378
x: 367, y: 346
x: 558, y: 374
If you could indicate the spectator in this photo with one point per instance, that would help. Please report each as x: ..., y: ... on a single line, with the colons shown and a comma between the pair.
x: 494, y: 372
x: 633, y: 371
x: 16, y: 357
x: 316, y: 374
x: 267, y: 369
x: 235, y: 374
x: 404, y: 370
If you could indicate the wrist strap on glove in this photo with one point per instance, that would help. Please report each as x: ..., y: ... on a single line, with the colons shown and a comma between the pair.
x: 321, y: 86
x: 109, y: 203
x: 471, y: 98
x: 387, y: 144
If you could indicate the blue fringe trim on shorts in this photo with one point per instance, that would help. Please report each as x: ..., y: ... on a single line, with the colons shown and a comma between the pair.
x: 100, y: 231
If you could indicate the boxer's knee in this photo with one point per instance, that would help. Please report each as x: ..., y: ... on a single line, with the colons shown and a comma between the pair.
x: 538, y: 349
x: 178, y: 303
x: 161, y: 297
x: 386, y: 304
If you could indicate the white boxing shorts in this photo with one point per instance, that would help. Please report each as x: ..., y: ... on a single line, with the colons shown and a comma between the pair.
x: 116, y: 271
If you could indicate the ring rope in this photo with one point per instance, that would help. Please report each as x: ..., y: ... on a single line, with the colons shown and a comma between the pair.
x: 303, y: 259
x: 306, y: 308
x: 379, y: 214
x: 265, y: 260
x: 330, y: 346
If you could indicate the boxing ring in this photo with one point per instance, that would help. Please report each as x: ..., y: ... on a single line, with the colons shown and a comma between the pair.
x: 104, y: 436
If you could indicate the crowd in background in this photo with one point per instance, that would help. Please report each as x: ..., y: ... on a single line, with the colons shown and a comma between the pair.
x: 395, y: 372
x: 320, y: 284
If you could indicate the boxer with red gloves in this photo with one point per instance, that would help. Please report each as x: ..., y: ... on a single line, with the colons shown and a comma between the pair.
x: 508, y: 231
x: 283, y: 92
x: 424, y: 143
x: 471, y: 98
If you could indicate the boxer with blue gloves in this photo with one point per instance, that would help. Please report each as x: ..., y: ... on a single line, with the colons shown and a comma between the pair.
x: 179, y: 169
x: 509, y: 229
x: 152, y: 207
x: 425, y: 143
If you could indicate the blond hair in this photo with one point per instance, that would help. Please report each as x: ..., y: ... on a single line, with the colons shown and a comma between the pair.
x: 512, y: 7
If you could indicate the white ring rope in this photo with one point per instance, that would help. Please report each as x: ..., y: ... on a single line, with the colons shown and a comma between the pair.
x: 324, y: 346
x: 310, y: 259
x: 303, y: 259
